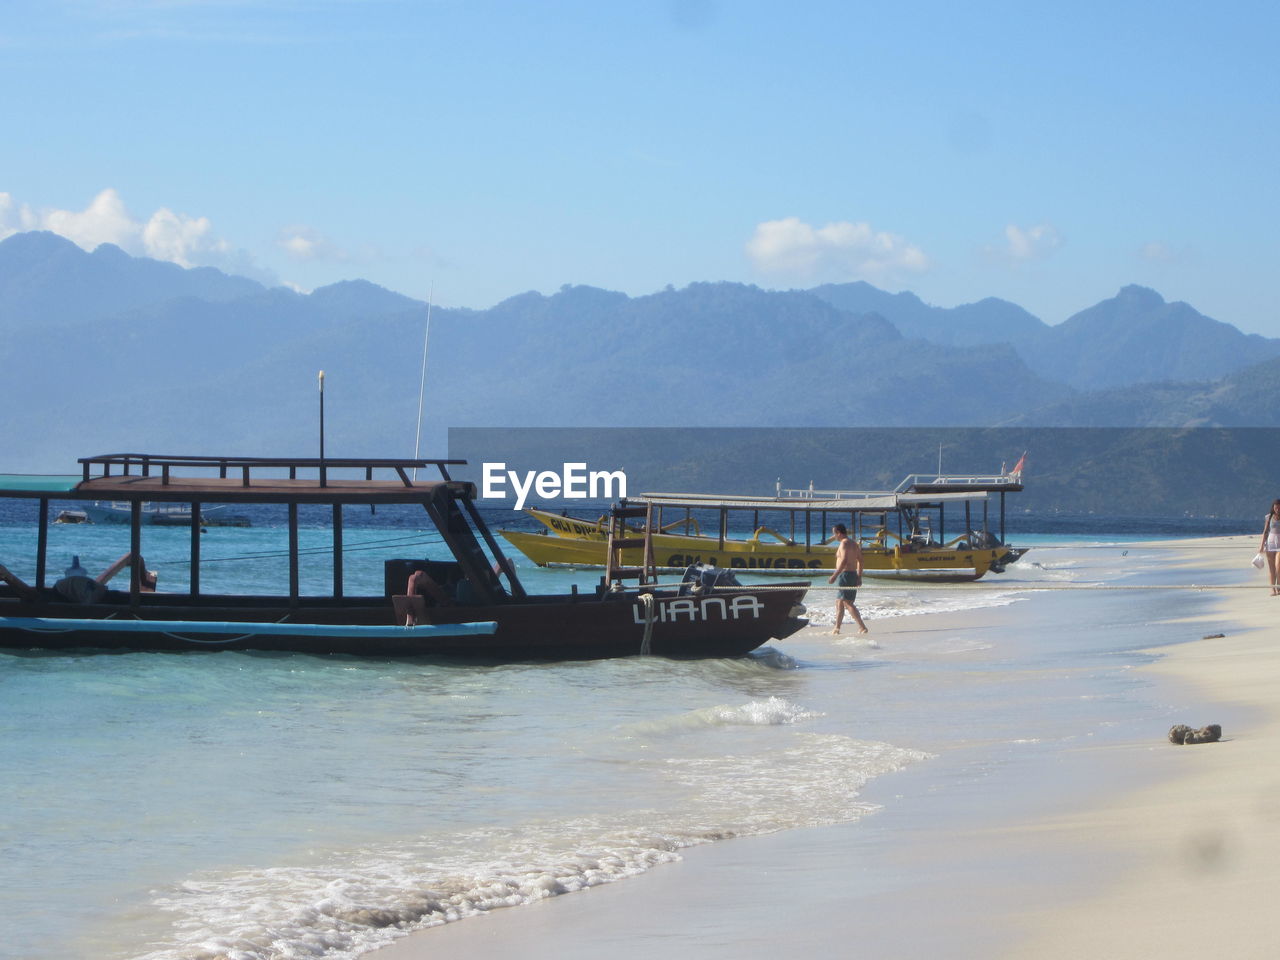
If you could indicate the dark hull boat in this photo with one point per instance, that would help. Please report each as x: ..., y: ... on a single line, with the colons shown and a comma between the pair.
x: 472, y: 606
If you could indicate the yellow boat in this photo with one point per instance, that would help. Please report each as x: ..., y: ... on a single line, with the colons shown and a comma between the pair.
x: 910, y: 553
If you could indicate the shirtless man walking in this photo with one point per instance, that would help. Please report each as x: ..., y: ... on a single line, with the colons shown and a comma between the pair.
x: 848, y: 573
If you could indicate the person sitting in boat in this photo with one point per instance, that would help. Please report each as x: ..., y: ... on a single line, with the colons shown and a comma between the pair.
x: 422, y: 584
x: 77, y: 586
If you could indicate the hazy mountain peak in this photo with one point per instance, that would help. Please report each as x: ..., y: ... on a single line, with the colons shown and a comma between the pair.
x: 356, y: 299
x: 1136, y: 295
x: 24, y: 250
x: 520, y: 301
x: 47, y: 280
x: 989, y: 321
x: 344, y: 287
x: 578, y: 296
x: 1137, y: 337
x: 109, y: 252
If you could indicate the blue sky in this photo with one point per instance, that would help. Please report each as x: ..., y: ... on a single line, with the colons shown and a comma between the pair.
x: 1046, y: 154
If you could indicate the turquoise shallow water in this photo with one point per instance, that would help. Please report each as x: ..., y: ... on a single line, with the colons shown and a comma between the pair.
x: 249, y: 805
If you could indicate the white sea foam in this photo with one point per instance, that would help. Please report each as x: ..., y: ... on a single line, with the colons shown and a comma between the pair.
x: 1059, y: 567
x: 357, y: 901
x: 773, y: 711
x: 893, y: 603
x: 758, y: 713
x: 851, y: 638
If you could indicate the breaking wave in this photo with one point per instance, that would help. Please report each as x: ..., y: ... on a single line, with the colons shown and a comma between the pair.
x: 360, y: 900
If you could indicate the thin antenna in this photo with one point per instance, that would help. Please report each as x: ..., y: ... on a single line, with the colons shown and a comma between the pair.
x: 422, y: 383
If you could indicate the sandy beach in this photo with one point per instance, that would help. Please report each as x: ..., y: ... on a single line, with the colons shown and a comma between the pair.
x: 1139, y: 848
x: 1201, y: 848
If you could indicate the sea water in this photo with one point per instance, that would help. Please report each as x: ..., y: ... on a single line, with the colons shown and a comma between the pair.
x: 253, y: 805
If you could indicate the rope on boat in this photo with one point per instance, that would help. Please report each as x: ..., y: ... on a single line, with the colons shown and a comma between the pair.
x: 215, y: 643
x: 647, y: 600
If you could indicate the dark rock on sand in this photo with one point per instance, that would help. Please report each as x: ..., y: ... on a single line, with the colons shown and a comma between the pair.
x: 1181, y: 733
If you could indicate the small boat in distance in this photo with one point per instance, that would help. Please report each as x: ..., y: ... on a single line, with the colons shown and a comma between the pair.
x: 163, y: 514
x: 470, y: 606
x: 901, y: 532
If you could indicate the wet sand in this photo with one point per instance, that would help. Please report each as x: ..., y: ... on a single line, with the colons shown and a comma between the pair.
x: 1139, y: 848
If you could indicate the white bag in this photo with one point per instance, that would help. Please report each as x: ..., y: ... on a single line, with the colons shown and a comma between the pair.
x: 1259, y: 561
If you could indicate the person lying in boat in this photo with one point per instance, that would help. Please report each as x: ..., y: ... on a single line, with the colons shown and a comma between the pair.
x: 149, y: 577
x: 77, y: 586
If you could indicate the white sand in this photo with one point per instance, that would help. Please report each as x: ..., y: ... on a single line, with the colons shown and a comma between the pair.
x: 1172, y: 852
x: 1203, y: 851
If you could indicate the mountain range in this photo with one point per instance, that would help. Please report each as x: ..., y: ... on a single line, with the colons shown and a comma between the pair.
x: 104, y: 352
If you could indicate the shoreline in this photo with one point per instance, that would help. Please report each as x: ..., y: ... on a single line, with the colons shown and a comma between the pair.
x: 1138, y: 865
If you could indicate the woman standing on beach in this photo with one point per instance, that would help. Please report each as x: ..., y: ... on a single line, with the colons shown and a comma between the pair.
x: 1271, y: 544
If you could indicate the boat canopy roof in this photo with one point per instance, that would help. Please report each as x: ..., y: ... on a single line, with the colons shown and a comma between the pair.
x: 18, y: 484
x: 870, y: 503
x: 145, y: 477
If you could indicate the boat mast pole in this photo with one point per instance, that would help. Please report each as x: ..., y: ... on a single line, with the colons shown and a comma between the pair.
x: 322, y: 471
x: 293, y: 554
x: 337, y: 550
x: 422, y: 379
x: 135, y: 551
x: 195, y: 550
x: 42, y: 542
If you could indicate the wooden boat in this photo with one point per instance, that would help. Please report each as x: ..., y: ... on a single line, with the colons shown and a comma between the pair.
x: 475, y: 607
x: 911, y: 551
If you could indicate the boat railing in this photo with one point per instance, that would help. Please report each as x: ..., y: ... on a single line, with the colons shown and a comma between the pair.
x: 912, y: 483
x: 916, y: 481
x: 812, y: 493
x: 147, y: 465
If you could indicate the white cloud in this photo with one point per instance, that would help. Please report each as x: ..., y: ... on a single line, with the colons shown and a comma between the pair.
x: 15, y: 218
x: 1033, y: 243
x: 837, y: 251
x: 307, y: 243
x: 105, y: 220
x: 185, y: 240
x: 165, y: 235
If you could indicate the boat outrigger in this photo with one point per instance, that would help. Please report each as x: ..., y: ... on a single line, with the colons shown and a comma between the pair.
x: 902, y: 532
x: 470, y: 606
